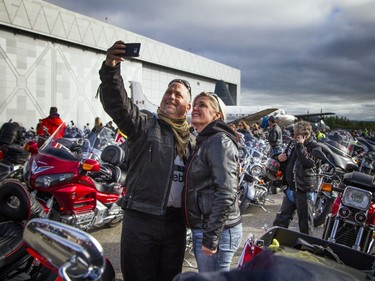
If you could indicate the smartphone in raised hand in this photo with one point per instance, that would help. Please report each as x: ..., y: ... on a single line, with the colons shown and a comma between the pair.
x: 132, y: 50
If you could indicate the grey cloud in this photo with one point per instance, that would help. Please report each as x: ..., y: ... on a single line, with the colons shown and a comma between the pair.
x: 317, y: 53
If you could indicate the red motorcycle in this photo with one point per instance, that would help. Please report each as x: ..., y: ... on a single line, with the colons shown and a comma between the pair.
x: 76, y: 181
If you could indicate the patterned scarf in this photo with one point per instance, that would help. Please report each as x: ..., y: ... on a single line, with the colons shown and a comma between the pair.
x: 180, y: 129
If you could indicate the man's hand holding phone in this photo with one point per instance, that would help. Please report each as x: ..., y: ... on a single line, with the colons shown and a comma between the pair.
x: 121, y: 50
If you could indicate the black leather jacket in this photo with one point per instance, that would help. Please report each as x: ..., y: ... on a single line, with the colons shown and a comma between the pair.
x: 305, y: 167
x: 211, y: 181
x: 151, y: 142
x: 275, y: 136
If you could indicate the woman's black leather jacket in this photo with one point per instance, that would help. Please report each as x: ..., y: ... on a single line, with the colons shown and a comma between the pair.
x: 211, y: 182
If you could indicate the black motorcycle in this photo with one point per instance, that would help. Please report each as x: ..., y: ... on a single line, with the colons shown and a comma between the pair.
x: 16, y: 208
x: 337, y: 148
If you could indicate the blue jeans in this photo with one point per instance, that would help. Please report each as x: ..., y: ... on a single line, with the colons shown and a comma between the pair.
x: 229, y: 242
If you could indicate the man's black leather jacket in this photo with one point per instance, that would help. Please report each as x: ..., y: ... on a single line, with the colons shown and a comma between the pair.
x: 275, y: 136
x: 211, y: 182
x: 152, y: 149
x: 305, y: 168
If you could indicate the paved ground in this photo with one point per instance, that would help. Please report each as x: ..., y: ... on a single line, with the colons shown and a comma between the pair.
x: 255, y: 221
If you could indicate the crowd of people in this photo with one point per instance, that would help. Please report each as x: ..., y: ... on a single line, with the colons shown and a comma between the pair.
x: 178, y: 178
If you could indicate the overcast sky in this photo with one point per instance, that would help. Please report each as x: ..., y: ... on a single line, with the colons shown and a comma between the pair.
x: 298, y: 55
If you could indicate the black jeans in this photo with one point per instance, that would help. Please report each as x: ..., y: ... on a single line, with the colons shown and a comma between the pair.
x: 152, y: 247
x: 304, y: 207
x: 286, y: 213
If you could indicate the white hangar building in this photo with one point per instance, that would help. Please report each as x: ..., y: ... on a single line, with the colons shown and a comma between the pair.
x: 50, y: 56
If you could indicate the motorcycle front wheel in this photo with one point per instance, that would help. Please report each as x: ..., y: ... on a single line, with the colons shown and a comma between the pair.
x: 245, y: 203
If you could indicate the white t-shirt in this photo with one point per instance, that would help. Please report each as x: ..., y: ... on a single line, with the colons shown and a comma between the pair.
x: 174, y: 199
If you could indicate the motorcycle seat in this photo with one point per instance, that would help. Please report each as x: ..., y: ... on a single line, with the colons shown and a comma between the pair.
x: 12, y: 247
x: 113, y: 154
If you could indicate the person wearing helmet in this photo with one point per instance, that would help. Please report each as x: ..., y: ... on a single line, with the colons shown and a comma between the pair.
x: 300, y: 177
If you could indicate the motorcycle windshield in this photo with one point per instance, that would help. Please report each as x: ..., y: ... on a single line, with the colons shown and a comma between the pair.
x: 59, y: 146
x: 104, y: 138
x: 341, y: 141
x: 97, y: 142
x: 63, y: 146
x: 258, y: 148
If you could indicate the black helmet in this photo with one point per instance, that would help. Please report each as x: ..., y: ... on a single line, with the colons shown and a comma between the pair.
x: 273, y: 169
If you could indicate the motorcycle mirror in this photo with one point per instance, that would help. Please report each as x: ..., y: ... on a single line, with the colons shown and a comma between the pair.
x: 74, y: 252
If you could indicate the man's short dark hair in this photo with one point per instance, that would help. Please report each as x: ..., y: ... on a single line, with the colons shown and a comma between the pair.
x: 53, y: 110
x: 272, y: 119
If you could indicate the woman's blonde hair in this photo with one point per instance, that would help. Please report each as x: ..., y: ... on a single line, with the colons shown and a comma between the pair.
x: 244, y: 124
x: 217, y: 104
x: 97, y: 121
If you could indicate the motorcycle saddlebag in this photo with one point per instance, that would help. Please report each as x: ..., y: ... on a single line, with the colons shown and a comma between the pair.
x: 113, y: 154
x: 16, y: 154
x: 9, y: 132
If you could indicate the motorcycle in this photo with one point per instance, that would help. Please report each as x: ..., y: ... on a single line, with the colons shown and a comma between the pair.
x: 351, y: 221
x: 337, y: 148
x: 352, y: 218
x: 67, y: 251
x: 367, y: 157
x: 16, y: 208
x: 12, y: 154
x: 252, y: 187
x: 77, y: 181
x: 12, y: 157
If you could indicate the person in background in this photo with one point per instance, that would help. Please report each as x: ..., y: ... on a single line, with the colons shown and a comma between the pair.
x: 51, y: 122
x: 244, y: 129
x: 300, y: 173
x: 210, y: 200
x: 255, y: 130
x: 98, y: 125
x: 110, y: 126
x: 233, y: 126
x: 86, y: 129
x: 288, y: 207
x: 153, y: 235
x: 320, y: 135
x: 275, y: 137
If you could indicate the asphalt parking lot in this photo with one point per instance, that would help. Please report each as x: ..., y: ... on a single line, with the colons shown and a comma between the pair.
x: 255, y: 221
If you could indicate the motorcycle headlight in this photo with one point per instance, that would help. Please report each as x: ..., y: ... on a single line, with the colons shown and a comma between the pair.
x: 325, y: 167
x: 256, y: 170
x: 46, y: 181
x: 356, y: 198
